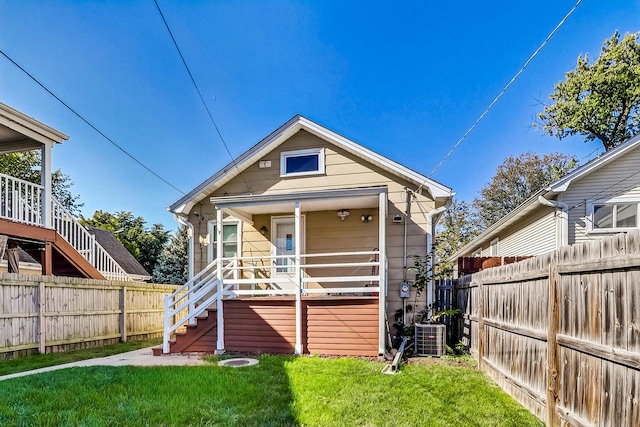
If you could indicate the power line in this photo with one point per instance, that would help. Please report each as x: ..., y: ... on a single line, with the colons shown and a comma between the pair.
x: 486, y: 111
x: 184, y: 62
x: 91, y: 125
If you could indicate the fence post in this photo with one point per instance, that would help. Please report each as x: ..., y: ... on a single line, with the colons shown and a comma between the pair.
x: 41, y: 322
x: 553, y: 350
x: 481, y: 336
x: 123, y: 316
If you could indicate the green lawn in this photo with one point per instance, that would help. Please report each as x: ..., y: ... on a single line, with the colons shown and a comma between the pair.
x: 280, y: 391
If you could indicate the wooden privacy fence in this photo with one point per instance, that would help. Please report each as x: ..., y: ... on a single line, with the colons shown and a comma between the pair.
x: 561, y: 332
x: 49, y: 313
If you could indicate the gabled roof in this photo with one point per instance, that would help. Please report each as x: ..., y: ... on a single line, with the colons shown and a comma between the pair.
x: 119, y: 253
x: 283, y: 133
x: 549, y: 192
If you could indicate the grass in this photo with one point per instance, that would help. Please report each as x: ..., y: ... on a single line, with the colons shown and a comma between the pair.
x: 37, y: 361
x: 280, y: 391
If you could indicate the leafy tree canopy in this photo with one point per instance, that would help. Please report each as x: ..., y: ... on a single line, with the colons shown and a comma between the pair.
x: 172, y: 266
x: 26, y: 165
x: 517, y: 179
x: 599, y: 100
x: 145, y: 244
x: 457, y: 227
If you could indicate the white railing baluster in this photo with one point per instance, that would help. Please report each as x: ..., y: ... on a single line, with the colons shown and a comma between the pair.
x: 21, y: 201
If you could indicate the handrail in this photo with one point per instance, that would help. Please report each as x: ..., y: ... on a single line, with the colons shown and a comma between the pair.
x: 85, y: 243
x: 195, y: 291
x: 21, y: 201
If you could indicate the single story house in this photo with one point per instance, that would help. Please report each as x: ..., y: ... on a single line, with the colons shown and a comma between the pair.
x: 300, y: 245
x: 595, y: 200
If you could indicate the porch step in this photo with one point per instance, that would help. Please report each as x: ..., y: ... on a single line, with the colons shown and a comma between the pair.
x: 199, y: 337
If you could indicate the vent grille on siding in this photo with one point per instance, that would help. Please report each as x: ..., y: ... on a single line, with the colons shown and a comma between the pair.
x: 430, y: 340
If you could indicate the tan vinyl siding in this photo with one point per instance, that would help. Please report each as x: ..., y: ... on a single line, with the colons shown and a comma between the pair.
x: 615, y: 179
x: 325, y: 232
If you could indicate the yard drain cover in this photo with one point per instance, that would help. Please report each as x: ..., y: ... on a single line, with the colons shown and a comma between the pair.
x: 238, y: 362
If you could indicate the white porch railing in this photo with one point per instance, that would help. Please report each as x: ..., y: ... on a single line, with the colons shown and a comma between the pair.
x: 272, y: 275
x: 21, y: 201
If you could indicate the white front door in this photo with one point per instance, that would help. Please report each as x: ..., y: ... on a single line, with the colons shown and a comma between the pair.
x: 283, y: 243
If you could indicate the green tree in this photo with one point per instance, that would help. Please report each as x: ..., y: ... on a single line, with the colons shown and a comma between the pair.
x: 600, y: 100
x: 517, y: 179
x: 457, y: 227
x: 172, y: 266
x: 145, y: 244
x: 26, y: 165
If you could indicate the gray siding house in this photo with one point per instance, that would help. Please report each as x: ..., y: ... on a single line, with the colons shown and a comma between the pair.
x: 598, y: 199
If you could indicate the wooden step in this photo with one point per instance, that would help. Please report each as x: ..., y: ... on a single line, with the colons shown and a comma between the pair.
x: 192, y: 338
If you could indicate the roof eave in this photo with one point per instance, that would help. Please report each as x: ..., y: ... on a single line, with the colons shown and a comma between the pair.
x: 518, y: 213
x: 292, y: 126
x: 29, y: 126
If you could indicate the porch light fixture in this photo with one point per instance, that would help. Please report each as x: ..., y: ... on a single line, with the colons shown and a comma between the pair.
x: 343, y: 214
x: 263, y: 230
x: 366, y: 218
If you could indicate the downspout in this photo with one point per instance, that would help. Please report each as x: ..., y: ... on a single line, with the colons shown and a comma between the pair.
x: 407, y: 215
x: 180, y: 220
x: 562, y: 232
x: 430, y: 229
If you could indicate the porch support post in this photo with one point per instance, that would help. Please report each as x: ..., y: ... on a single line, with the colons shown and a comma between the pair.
x: 298, y: 272
x: 220, y: 285
x: 45, y: 180
x: 382, y: 271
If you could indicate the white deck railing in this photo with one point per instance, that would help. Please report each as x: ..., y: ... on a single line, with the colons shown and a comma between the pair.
x: 85, y: 243
x: 21, y: 201
x: 353, y: 273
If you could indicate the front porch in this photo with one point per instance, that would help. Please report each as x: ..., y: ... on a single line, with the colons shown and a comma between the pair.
x: 341, y: 291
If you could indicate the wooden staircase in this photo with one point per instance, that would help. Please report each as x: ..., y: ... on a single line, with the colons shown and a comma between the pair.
x: 48, y: 247
x: 200, y: 337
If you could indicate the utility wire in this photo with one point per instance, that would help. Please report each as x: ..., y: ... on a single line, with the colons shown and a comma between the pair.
x: 91, y: 124
x: 184, y: 62
x: 486, y: 111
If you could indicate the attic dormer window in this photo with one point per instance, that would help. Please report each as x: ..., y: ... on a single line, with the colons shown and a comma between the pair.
x: 302, y: 162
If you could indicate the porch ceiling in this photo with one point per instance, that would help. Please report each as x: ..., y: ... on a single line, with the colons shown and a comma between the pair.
x: 19, y: 132
x: 361, y: 198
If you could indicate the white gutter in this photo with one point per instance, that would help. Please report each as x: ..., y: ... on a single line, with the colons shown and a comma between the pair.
x: 562, y: 229
x: 430, y: 256
x: 180, y: 220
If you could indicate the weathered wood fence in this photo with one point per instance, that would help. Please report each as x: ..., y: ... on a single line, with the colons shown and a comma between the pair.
x: 48, y: 313
x: 561, y: 332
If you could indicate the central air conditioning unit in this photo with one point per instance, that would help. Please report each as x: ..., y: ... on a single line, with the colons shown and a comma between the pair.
x: 430, y: 340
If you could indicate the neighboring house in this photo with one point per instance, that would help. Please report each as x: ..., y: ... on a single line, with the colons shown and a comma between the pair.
x: 33, y: 220
x: 28, y: 265
x: 307, y: 235
x: 595, y: 200
x: 120, y: 254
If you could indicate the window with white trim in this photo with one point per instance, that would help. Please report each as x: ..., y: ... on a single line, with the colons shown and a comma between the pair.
x: 478, y: 252
x: 302, y: 162
x: 613, y: 215
x: 231, y: 231
x: 493, y: 248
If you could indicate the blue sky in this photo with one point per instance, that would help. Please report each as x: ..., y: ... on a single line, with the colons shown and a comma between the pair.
x: 405, y: 79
